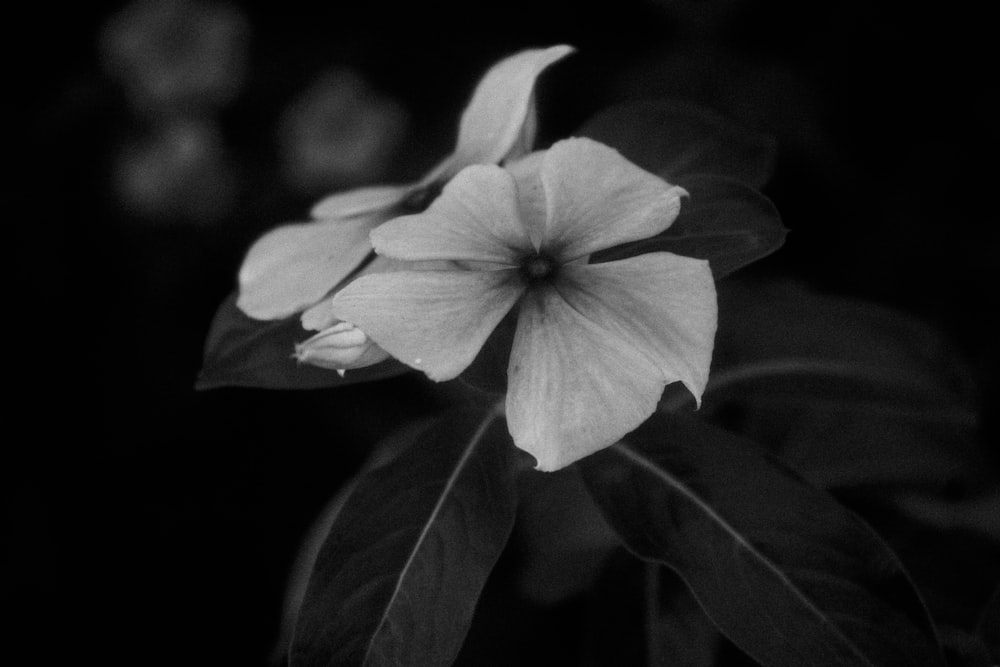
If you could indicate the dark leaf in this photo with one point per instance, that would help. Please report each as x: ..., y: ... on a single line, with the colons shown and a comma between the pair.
x: 964, y: 649
x: 678, y: 140
x: 723, y: 221
x: 397, y: 580
x: 989, y: 626
x: 786, y: 573
x: 680, y: 633
x: 876, y: 405
x: 850, y: 333
x: 563, y: 539
x: 614, y: 623
x: 849, y: 392
x: 243, y: 352
x: 383, y: 454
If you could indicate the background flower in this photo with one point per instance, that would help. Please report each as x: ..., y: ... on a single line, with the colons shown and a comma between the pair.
x: 178, y: 171
x: 177, y: 54
x: 339, y: 132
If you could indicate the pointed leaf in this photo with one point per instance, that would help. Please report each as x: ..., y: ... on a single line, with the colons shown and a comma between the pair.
x: 724, y: 221
x: 397, y: 580
x: 243, y: 352
x: 678, y: 140
x: 786, y: 573
x: 384, y: 453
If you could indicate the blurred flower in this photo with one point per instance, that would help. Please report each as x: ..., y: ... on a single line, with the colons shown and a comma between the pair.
x: 339, y: 132
x: 294, y: 267
x: 595, y: 343
x: 177, y: 54
x: 180, y: 171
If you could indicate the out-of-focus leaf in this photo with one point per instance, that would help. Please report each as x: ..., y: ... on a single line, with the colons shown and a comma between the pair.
x: 849, y: 392
x: 724, y: 221
x: 563, y: 538
x: 978, y: 515
x: 682, y: 633
x: 397, y: 580
x: 786, y: 573
x: 614, y: 629
x: 678, y: 140
x: 780, y: 320
x: 964, y: 649
x: 989, y: 626
x: 243, y: 352
x: 877, y: 406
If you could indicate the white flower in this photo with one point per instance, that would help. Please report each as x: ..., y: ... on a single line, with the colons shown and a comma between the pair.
x: 595, y: 343
x: 294, y: 267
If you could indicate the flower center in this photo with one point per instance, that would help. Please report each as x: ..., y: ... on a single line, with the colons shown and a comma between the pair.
x: 538, y: 268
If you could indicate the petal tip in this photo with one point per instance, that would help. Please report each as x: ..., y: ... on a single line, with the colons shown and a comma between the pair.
x: 543, y: 463
x: 558, y: 52
x: 360, y: 202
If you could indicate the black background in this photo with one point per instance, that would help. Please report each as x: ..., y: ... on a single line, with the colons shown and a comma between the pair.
x: 150, y: 524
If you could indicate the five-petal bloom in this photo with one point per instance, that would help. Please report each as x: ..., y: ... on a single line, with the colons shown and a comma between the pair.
x: 294, y: 267
x: 595, y: 344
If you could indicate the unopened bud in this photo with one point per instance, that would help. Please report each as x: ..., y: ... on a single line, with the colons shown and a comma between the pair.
x: 340, y: 347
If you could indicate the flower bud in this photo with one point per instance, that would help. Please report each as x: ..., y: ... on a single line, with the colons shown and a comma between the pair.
x: 340, y: 347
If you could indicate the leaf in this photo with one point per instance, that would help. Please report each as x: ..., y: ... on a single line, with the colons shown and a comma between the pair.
x: 614, y: 620
x: 724, y: 221
x: 838, y: 329
x: 563, y: 539
x: 680, y: 139
x: 786, y: 573
x: 397, y: 580
x: 849, y: 392
x: 988, y: 628
x: 964, y: 649
x: 381, y: 455
x: 680, y: 628
x: 243, y: 352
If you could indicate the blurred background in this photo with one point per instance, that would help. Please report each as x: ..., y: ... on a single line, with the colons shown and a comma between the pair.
x: 146, y: 523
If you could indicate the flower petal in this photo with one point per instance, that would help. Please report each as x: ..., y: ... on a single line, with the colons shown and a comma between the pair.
x: 527, y: 173
x: 501, y: 108
x: 434, y: 321
x: 475, y: 219
x: 361, y: 202
x: 573, y: 389
x: 320, y: 316
x: 293, y: 267
x: 660, y: 304
x: 597, y: 199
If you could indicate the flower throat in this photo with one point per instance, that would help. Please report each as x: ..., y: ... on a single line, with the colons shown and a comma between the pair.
x: 538, y: 268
